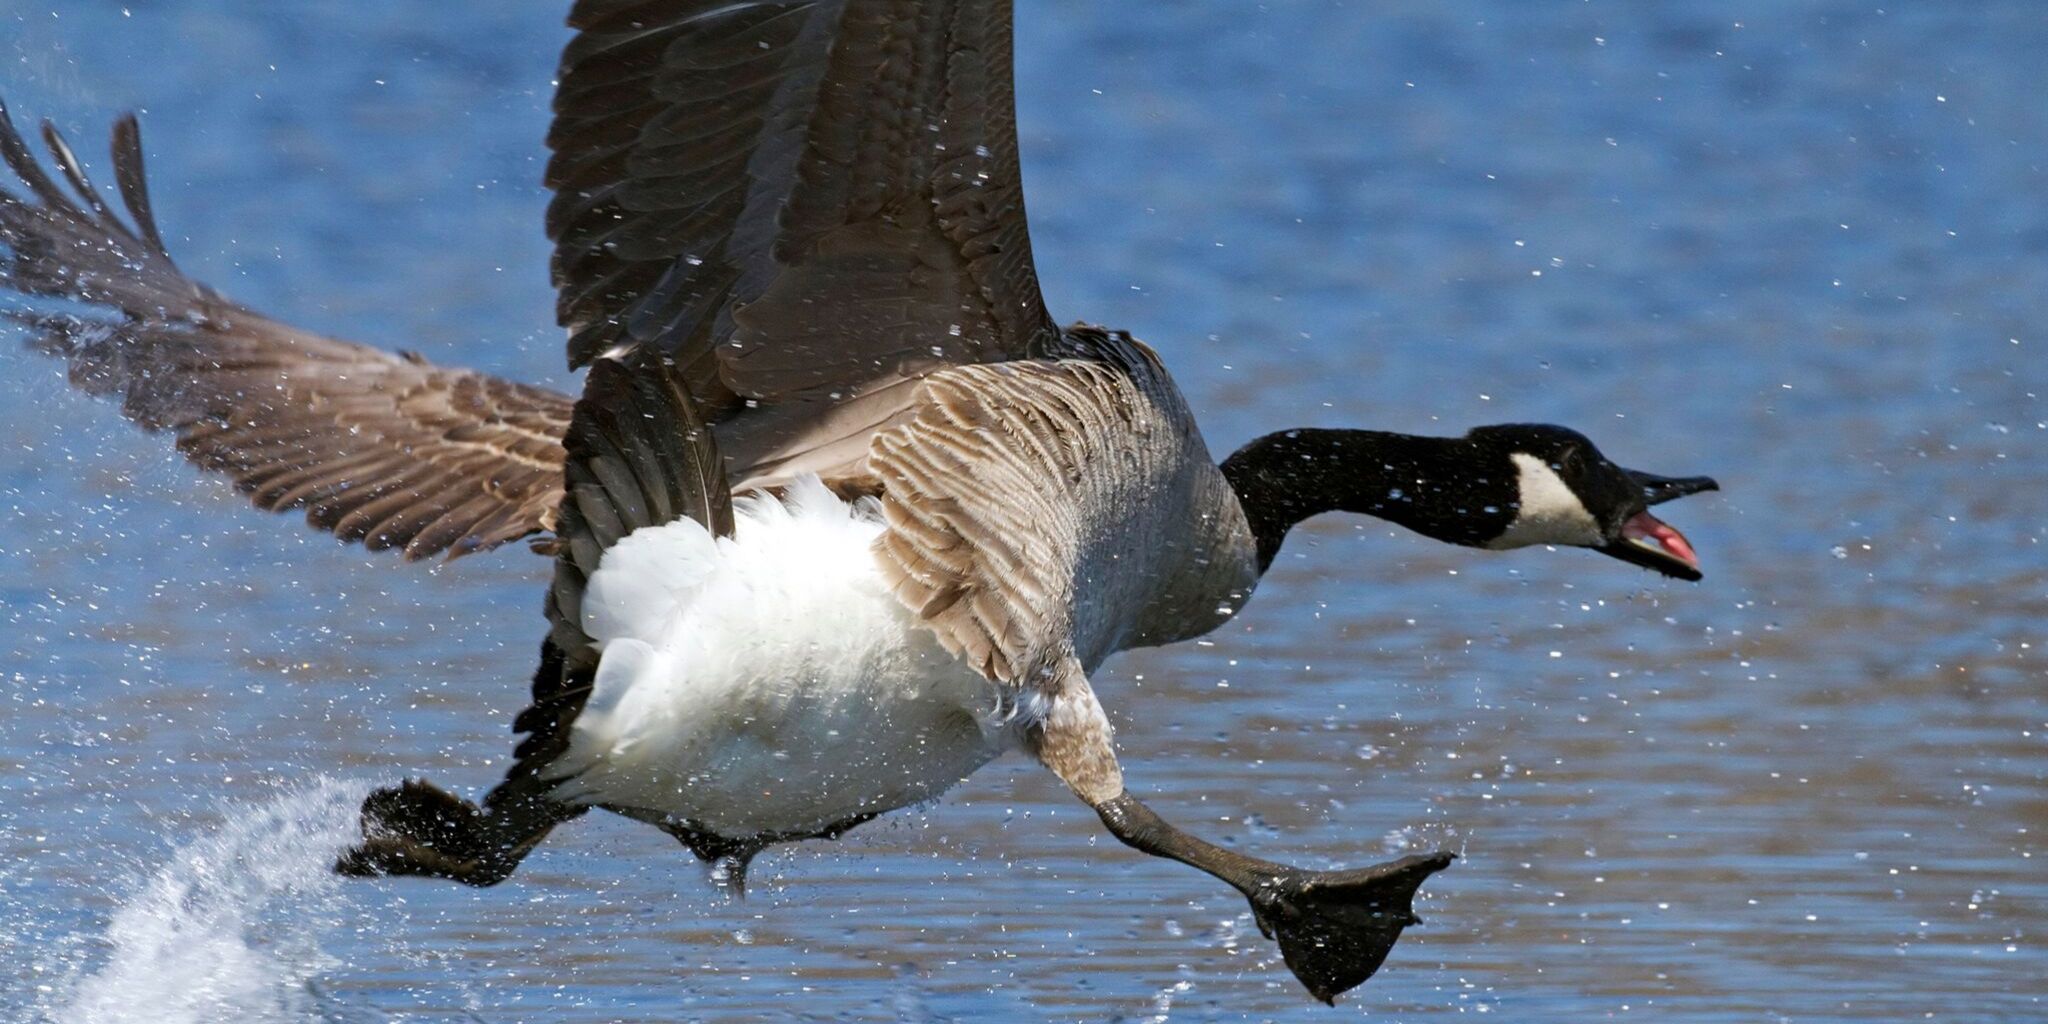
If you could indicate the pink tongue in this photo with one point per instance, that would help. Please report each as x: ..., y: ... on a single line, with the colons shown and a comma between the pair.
x: 1644, y: 526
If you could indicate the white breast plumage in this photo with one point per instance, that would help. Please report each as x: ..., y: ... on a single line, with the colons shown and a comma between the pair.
x: 769, y: 681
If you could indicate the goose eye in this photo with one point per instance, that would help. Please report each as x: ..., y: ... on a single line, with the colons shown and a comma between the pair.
x: 1571, y: 460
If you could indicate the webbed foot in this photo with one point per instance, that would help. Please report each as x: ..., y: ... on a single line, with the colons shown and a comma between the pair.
x: 1335, y: 928
x: 417, y: 829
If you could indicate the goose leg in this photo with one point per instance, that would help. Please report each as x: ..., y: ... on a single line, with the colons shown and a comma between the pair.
x: 1334, y: 928
x: 416, y: 828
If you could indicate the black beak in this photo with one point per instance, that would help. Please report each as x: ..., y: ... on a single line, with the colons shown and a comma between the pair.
x: 1652, y: 543
x: 1660, y: 489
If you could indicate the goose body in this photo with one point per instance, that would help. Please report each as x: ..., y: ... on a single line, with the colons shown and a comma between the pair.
x: 770, y: 681
x: 842, y: 513
x: 800, y: 673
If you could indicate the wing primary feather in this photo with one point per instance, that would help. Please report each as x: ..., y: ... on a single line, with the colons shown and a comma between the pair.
x: 130, y: 178
x: 74, y: 173
x: 379, y: 445
x: 22, y: 161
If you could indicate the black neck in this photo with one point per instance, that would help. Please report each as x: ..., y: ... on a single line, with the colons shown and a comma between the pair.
x: 1449, y: 488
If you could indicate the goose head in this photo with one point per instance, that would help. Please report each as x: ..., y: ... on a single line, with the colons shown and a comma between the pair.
x: 1505, y: 486
x: 1565, y: 492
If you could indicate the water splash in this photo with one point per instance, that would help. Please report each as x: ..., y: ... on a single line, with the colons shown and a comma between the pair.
x: 1162, y: 1003
x: 228, y: 928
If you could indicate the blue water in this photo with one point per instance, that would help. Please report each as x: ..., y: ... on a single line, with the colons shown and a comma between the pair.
x: 1802, y: 246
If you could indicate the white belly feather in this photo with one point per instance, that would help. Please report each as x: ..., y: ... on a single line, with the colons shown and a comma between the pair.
x: 768, y: 682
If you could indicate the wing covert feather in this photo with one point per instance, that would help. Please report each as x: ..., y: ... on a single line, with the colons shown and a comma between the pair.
x: 1021, y: 496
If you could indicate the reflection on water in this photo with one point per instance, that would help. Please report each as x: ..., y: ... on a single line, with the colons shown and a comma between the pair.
x: 1800, y: 246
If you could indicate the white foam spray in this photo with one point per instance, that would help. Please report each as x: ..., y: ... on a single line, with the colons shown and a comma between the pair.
x: 228, y: 928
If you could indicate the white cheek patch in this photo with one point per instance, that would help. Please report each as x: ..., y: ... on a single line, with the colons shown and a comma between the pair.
x: 1549, y: 512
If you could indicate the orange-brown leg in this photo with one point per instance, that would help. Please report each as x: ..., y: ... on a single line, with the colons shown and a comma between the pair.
x: 1334, y: 928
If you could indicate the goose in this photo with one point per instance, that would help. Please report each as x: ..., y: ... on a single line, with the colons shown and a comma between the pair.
x: 842, y: 513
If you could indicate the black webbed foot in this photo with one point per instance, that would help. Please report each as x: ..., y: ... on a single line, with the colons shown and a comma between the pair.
x: 729, y: 874
x: 1335, y: 928
x: 416, y: 828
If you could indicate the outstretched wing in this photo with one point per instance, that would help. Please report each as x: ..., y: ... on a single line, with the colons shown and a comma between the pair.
x: 805, y: 204
x: 378, y: 447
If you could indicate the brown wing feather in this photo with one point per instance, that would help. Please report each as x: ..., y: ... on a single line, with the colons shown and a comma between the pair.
x: 386, y: 449
x: 800, y: 201
x: 1048, y: 509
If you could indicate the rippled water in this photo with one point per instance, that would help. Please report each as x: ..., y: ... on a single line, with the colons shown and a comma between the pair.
x: 1802, y: 246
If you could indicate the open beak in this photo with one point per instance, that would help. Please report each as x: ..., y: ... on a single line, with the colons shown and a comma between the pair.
x: 1652, y: 543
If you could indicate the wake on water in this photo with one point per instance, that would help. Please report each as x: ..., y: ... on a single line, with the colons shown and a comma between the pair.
x: 228, y: 928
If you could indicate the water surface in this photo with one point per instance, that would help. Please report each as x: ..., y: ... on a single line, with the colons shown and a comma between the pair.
x: 1802, y: 246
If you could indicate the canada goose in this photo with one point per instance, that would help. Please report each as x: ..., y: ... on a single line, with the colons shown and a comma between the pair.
x: 841, y: 514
